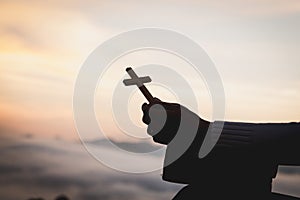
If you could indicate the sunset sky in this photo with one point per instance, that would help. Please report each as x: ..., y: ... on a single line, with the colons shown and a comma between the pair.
x: 254, y: 44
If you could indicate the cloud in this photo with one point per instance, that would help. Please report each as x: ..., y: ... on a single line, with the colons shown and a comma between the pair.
x: 47, y: 168
x: 289, y: 170
x: 136, y: 147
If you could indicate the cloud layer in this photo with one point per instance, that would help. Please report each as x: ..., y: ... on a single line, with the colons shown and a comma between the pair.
x: 36, y: 168
x: 32, y: 167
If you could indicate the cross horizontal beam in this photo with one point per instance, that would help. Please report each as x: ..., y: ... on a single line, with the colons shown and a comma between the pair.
x: 139, y: 81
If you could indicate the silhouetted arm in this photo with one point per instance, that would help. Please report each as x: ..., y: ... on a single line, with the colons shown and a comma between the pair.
x: 281, y: 140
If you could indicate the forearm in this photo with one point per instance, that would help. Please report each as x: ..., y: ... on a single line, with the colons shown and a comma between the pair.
x: 242, y: 150
x: 279, y: 141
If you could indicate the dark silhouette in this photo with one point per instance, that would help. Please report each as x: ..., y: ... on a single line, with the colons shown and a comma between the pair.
x: 241, y: 165
x: 36, y: 199
x: 59, y: 197
x: 62, y: 197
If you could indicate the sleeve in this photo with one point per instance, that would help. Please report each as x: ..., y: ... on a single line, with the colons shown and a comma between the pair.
x: 280, y: 140
x: 241, y: 148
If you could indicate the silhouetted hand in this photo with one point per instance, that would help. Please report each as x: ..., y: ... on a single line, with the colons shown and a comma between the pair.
x: 163, y: 119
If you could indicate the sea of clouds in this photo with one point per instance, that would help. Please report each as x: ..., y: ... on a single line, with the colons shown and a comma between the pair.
x: 33, y: 167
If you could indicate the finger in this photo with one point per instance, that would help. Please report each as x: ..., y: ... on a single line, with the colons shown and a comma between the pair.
x: 145, y: 107
x: 150, y: 131
x: 146, y: 119
x: 158, y: 117
x: 156, y: 100
x: 153, y: 129
x: 170, y: 105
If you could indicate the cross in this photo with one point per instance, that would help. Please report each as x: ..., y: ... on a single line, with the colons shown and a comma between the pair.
x: 139, y: 81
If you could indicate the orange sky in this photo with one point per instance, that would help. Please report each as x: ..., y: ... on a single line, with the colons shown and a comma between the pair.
x: 254, y: 44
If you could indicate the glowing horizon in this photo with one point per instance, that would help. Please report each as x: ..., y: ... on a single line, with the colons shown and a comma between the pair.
x: 254, y: 46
